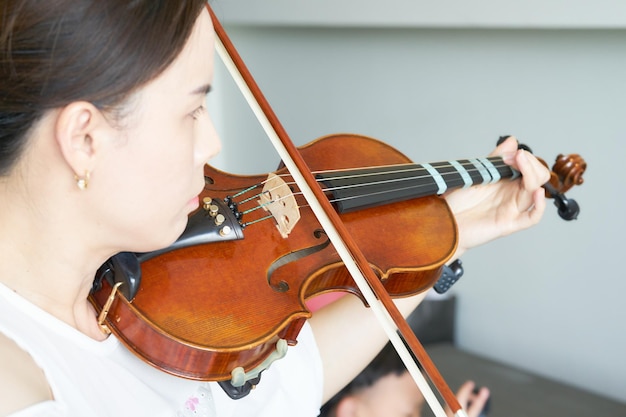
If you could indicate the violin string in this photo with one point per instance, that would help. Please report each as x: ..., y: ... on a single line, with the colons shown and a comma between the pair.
x: 266, y: 204
x: 395, y: 180
x: 268, y: 217
x: 246, y: 190
x: 262, y: 183
x: 498, y: 163
x: 244, y: 201
x: 395, y: 189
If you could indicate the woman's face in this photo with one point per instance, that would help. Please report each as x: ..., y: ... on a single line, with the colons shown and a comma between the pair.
x: 155, y: 162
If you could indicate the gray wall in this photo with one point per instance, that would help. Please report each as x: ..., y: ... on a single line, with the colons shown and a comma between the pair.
x: 548, y: 299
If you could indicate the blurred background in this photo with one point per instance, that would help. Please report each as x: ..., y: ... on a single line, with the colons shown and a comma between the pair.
x: 441, y: 80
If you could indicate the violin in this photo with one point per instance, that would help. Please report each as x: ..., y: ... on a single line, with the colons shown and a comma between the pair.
x: 236, y: 281
x: 229, y: 296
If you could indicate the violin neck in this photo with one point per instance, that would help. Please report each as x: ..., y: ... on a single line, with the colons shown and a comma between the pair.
x: 357, y: 189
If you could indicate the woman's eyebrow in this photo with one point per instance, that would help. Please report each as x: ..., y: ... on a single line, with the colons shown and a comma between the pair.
x: 204, y: 90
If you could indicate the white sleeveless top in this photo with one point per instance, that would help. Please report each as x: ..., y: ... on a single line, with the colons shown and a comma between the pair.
x: 91, y: 378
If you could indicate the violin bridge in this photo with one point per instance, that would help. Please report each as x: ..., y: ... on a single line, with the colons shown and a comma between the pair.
x: 278, y: 199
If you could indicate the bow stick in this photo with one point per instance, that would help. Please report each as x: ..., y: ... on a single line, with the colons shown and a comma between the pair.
x: 368, y: 283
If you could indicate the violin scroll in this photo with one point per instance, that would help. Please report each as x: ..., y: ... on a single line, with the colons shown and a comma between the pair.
x: 566, y: 172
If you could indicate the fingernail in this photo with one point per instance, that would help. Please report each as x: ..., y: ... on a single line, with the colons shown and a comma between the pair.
x: 508, y: 156
x: 523, y: 154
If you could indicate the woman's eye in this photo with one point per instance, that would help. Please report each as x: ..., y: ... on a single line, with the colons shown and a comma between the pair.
x: 198, y: 112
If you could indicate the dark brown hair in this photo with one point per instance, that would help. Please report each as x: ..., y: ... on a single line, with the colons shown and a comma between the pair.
x: 59, y: 51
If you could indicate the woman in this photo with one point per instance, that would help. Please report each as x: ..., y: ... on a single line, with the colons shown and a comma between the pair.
x: 103, y: 139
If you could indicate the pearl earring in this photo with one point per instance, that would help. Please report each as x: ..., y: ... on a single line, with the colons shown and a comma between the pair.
x: 82, y: 182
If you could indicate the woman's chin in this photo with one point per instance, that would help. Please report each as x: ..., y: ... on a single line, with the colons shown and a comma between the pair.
x: 165, y: 240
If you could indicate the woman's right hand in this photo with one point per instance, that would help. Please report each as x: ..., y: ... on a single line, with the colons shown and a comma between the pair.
x: 472, y: 402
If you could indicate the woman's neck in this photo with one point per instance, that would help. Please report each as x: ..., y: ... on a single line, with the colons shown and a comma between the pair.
x: 48, y: 267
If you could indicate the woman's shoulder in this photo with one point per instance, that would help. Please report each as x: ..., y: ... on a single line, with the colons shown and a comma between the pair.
x: 24, y: 383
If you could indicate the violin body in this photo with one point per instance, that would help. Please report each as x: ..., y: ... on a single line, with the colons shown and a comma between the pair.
x: 202, y: 311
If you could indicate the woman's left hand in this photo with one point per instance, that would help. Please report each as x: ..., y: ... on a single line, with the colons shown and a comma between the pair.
x: 484, y: 213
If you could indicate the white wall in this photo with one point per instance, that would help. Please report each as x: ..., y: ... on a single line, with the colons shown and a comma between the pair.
x: 548, y: 299
x: 425, y: 13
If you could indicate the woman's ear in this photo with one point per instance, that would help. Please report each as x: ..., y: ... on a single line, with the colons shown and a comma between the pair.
x: 77, y: 132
